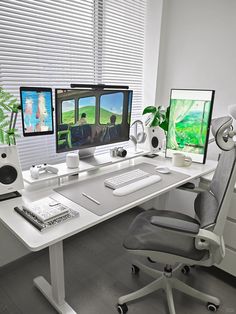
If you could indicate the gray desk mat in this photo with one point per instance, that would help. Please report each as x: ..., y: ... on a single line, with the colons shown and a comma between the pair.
x: 95, y: 188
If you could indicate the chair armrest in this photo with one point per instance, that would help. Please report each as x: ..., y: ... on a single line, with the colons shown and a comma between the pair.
x: 176, y: 225
x: 190, y: 187
x: 205, y: 238
x: 208, y: 240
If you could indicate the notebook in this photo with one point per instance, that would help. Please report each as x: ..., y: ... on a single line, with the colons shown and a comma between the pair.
x: 46, y: 209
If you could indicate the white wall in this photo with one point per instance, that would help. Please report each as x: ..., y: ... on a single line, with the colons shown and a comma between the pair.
x: 151, y: 50
x: 198, y: 50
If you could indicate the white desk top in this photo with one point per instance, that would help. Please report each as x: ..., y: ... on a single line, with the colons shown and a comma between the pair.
x: 36, y: 240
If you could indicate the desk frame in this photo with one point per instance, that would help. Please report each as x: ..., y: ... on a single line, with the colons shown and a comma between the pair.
x: 55, y: 292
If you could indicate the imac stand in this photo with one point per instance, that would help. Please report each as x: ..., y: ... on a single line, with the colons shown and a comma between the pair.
x: 87, y: 155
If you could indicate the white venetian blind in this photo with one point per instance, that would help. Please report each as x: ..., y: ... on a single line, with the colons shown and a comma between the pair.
x: 121, y: 48
x: 55, y: 43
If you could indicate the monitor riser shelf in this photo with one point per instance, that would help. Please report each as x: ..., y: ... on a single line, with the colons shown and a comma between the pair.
x: 84, y: 166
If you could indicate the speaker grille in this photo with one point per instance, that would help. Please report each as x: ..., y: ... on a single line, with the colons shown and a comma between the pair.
x: 8, y: 174
x: 155, y: 142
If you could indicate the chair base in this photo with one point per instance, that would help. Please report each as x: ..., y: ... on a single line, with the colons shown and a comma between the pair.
x: 166, y: 282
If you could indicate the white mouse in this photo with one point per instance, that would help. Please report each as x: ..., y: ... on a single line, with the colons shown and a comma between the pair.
x: 162, y: 169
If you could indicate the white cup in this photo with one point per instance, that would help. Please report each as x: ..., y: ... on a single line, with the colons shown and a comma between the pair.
x: 72, y: 160
x: 180, y: 160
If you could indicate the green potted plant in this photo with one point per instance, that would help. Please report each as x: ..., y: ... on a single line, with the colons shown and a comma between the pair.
x: 9, y: 108
x: 158, y: 117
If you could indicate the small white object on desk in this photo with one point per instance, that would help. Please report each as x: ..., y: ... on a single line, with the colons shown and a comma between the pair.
x: 163, y: 169
x: 72, y: 160
x: 35, y: 170
x: 91, y: 198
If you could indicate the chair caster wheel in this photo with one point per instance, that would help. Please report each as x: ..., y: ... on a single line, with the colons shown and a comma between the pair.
x: 212, y: 307
x: 122, y: 308
x: 185, y: 270
x: 135, y: 270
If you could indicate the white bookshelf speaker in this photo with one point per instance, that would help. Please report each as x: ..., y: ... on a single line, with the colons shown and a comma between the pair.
x: 11, y: 179
x: 154, y: 140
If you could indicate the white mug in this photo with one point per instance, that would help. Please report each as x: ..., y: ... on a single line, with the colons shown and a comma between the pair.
x: 180, y: 160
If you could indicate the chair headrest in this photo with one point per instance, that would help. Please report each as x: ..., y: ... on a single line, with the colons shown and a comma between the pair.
x: 222, y: 130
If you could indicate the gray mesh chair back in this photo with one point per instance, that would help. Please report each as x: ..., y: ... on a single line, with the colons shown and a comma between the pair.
x: 210, y: 205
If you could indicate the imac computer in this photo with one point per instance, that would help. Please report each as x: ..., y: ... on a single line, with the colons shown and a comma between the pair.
x: 86, y: 118
x: 189, y: 123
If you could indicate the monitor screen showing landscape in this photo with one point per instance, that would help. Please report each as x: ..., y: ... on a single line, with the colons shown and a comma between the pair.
x: 37, y: 110
x: 88, y: 118
x: 189, y: 123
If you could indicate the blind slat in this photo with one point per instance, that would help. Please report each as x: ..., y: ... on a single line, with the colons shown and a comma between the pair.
x: 55, y: 43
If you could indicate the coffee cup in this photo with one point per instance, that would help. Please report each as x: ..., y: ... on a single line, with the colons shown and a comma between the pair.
x: 180, y: 160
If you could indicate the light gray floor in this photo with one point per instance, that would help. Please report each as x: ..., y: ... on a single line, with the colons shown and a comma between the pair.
x: 97, y: 272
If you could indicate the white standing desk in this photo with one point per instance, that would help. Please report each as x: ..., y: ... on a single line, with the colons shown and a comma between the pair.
x: 53, y: 238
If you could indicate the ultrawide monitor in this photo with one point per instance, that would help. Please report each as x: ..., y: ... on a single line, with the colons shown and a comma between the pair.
x: 89, y: 117
x: 37, y: 110
x: 189, y: 123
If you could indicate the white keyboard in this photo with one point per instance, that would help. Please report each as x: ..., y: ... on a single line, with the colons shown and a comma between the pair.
x: 138, y: 185
x: 125, y: 178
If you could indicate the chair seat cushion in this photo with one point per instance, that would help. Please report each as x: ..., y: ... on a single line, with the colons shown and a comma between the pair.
x: 143, y: 235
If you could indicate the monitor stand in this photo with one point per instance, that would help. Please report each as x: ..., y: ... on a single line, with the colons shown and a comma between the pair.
x: 87, y: 155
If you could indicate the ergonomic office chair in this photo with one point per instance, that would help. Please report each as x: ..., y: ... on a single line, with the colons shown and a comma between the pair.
x: 172, y: 237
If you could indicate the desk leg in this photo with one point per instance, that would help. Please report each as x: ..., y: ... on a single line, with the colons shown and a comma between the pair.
x: 55, y: 293
x: 161, y: 201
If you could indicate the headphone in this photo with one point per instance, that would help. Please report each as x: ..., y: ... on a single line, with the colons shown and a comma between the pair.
x: 138, y: 137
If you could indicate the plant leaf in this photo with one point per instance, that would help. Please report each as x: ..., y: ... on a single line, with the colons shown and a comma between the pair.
x: 155, y: 122
x: 1, y: 136
x: 10, y: 104
x: 149, y: 109
x: 4, y: 124
x: 165, y: 123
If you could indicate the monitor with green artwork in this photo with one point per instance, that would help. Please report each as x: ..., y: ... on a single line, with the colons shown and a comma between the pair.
x: 189, y: 123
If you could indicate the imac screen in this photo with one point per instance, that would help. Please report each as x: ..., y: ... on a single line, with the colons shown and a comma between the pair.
x: 37, y: 110
x: 189, y: 123
x: 88, y: 118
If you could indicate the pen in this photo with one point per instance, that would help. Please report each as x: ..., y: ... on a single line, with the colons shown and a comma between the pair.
x: 91, y: 198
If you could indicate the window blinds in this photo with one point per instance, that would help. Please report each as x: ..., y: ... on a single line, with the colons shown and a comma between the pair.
x: 51, y: 43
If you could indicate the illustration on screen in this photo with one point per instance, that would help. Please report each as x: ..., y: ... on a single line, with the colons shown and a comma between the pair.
x: 190, y: 113
x: 37, y: 112
x: 88, y: 118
